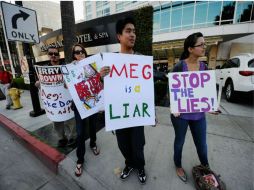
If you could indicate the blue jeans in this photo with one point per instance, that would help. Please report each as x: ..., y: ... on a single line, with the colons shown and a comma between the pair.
x: 198, y: 131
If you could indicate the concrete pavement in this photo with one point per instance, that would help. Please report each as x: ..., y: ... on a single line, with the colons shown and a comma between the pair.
x: 21, y: 170
x: 230, y: 152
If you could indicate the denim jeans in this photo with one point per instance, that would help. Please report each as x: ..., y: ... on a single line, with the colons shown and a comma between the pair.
x: 198, y: 131
x: 5, y: 90
x: 81, y: 134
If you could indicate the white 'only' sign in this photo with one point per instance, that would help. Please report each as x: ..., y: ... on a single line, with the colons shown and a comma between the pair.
x: 20, y: 23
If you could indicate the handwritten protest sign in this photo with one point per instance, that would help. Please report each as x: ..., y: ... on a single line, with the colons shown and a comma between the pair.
x: 129, y: 91
x: 192, y: 92
x: 56, y: 99
x: 24, y: 69
x: 83, y: 81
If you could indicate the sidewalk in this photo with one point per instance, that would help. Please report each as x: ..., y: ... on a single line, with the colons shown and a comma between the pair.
x: 21, y: 170
x: 230, y: 152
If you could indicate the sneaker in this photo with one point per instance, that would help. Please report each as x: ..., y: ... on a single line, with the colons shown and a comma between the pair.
x: 126, y: 172
x: 62, y: 142
x: 8, y: 107
x: 142, y: 176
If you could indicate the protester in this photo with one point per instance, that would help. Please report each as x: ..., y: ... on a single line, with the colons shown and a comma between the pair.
x: 5, y: 82
x: 79, y: 53
x: 59, y: 127
x: 130, y: 141
x: 194, y: 48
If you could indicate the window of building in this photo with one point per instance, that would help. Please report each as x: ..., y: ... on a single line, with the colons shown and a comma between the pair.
x: 201, y: 14
x: 120, y: 6
x: 228, y: 10
x: 165, y: 19
x: 156, y: 22
x: 243, y: 11
x: 102, y: 8
x: 89, y: 17
x: 214, y: 12
x: 106, y: 11
x: 177, y: 4
x: 188, y: 14
x: 177, y: 19
x: 166, y: 6
x: 88, y: 8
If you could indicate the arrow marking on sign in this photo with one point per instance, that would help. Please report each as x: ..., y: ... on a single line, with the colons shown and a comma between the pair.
x: 15, y: 18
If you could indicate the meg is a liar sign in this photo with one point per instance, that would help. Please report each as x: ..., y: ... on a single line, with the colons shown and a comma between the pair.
x: 20, y: 23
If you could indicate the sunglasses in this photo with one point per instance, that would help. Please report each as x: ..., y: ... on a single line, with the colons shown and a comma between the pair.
x: 200, y: 45
x: 53, y: 53
x: 78, y: 52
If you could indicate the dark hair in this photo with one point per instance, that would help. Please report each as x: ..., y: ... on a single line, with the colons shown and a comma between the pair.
x: 53, y: 47
x: 190, y: 41
x: 122, y: 23
x: 73, y: 49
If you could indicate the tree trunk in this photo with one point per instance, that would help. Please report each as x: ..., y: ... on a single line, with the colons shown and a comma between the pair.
x: 68, y: 28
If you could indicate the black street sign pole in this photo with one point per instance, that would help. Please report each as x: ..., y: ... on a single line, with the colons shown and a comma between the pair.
x: 37, y: 111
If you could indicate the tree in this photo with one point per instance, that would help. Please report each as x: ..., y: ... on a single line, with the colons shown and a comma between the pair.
x: 144, y: 30
x: 68, y: 28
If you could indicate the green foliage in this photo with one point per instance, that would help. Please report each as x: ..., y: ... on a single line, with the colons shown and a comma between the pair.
x: 144, y: 30
x: 19, y: 81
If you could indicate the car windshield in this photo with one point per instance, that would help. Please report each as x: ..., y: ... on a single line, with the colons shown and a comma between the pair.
x: 251, y: 63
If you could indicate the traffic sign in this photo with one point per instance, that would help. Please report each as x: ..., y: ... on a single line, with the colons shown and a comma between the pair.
x: 20, y: 23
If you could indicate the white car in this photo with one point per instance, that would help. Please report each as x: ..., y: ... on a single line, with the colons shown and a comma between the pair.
x: 236, y: 75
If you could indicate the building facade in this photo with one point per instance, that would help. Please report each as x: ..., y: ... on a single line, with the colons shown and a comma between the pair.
x: 226, y: 25
x: 48, y: 14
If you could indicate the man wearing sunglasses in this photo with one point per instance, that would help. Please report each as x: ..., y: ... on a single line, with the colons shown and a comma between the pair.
x: 54, y: 56
x: 59, y: 127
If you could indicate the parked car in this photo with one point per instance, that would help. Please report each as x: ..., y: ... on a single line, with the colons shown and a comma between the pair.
x: 236, y: 75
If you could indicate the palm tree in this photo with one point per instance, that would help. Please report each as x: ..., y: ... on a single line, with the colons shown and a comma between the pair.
x: 68, y: 28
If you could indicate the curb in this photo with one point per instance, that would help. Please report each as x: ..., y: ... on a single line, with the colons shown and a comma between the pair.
x: 48, y: 155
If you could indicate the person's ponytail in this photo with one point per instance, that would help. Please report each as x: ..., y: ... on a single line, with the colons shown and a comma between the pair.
x: 184, y: 55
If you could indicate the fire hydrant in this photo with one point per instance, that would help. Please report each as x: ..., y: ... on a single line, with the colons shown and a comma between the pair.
x: 15, y: 97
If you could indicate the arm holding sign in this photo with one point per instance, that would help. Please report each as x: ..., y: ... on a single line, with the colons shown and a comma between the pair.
x: 177, y: 68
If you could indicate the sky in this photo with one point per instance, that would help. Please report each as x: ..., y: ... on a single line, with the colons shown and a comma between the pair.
x: 78, y: 8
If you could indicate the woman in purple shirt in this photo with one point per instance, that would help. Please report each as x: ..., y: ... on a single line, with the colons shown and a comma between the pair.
x: 194, y: 47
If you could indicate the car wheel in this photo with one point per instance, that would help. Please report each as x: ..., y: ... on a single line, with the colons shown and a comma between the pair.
x: 229, y: 91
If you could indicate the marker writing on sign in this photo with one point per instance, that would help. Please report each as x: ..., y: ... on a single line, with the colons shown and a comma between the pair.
x: 183, y: 89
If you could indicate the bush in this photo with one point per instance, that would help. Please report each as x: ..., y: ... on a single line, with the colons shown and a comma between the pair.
x: 19, y: 81
x: 144, y: 30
